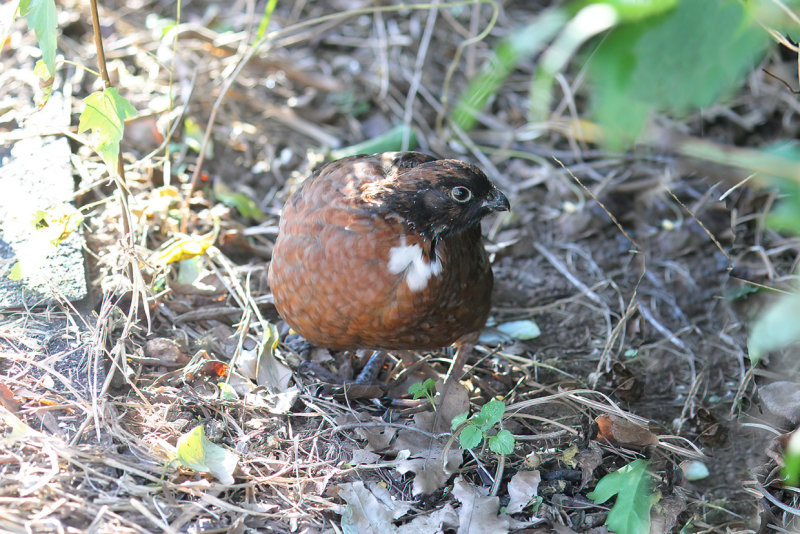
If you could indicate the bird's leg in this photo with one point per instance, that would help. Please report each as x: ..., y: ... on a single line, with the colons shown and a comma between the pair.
x: 457, y: 365
x: 371, y: 369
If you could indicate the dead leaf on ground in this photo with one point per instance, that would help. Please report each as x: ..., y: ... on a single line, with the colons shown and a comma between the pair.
x: 436, y: 521
x: 166, y: 351
x: 622, y: 432
x: 478, y: 513
x: 370, y: 508
x: 522, y: 488
x: 589, y: 460
x: 264, y: 367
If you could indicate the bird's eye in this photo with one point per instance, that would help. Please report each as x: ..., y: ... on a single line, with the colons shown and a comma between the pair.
x: 460, y: 194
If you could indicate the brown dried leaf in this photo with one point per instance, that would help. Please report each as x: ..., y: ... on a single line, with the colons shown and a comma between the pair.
x: 589, y: 460
x: 166, y: 351
x: 478, y: 513
x: 370, y: 508
x: 622, y: 432
x: 522, y: 488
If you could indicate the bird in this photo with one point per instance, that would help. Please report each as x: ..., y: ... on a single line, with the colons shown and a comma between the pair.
x: 385, y: 252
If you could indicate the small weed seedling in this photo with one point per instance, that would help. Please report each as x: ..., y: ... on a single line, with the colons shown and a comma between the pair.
x: 425, y: 389
x: 475, y: 429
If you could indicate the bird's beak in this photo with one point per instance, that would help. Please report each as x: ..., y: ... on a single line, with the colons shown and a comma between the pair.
x: 496, y: 201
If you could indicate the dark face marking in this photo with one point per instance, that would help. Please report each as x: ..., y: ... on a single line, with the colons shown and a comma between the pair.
x: 439, y: 198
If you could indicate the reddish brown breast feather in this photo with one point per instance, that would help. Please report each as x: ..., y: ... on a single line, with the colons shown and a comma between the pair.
x: 385, y: 252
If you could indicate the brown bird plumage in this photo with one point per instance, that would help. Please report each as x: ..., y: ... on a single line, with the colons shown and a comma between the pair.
x: 385, y: 252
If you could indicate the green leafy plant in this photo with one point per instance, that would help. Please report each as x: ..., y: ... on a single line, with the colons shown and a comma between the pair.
x: 105, y: 115
x: 423, y: 389
x: 42, y: 19
x: 633, y: 487
x: 475, y: 429
x: 643, y: 56
x: 671, y: 62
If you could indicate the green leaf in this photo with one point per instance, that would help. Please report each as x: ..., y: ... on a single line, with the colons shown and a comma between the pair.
x: 386, y: 142
x: 196, y: 452
x: 245, y: 205
x: 459, y: 420
x: 633, y: 487
x: 43, y: 20
x: 685, y: 59
x: 193, y: 135
x: 502, y: 442
x: 226, y: 392
x: 262, y: 27
x: 492, y: 412
x: 470, y: 437
x: 58, y: 222
x: 423, y: 389
x: 15, y: 274
x: 104, y: 115
x: 791, y: 460
x: 785, y: 215
x: 775, y: 327
x: 46, y: 79
x: 522, y: 330
x: 633, y: 10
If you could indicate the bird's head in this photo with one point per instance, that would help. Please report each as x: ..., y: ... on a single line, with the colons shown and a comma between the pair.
x: 438, y: 198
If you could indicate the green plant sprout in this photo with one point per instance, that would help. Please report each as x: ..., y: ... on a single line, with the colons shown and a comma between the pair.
x: 475, y: 429
x: 425, y: 389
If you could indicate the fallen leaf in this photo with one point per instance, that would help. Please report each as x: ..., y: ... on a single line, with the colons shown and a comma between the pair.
x: 478, y: 513
x: 196, y: 452
x: 522, y: 488
x: 436, y: 521
x: 183, y: 248
x: 589, y: 460
x: 264, y: 367
x: 165, y: 350
x: 622, y: 432
x: 370, y: 508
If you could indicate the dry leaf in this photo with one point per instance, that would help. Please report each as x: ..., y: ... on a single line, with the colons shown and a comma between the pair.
x: 370, y: 508
x: 434, y: 522
x: 522, y: 488
x: 588, y: 461
x: 478, y: 513
x: 622, y: 432
x: 165, y: 350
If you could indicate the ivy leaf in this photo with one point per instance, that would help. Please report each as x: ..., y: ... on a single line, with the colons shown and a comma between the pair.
x: 502, y: 442
x: 458, y: 420
x: 470, y: 437
x: 196, y: 452
x: 492, y: 412
x: 105, y: 115
x: 43, y: 20
x: 633, y: 487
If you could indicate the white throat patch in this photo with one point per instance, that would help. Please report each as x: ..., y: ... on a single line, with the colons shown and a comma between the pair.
x: 410, y: 260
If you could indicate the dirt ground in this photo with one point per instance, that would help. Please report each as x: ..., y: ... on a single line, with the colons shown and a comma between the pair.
x: 640, y: 269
